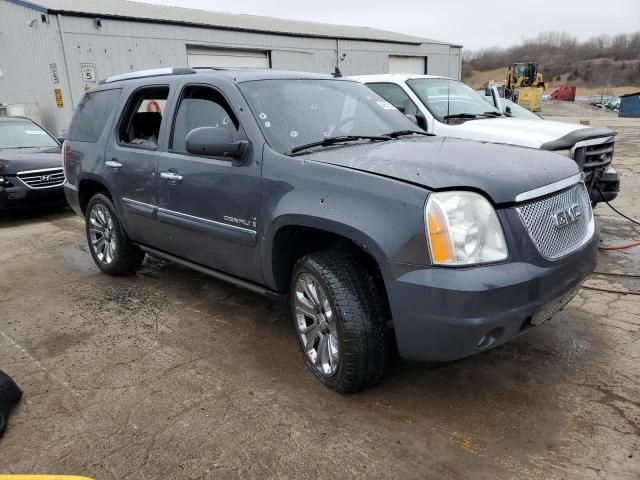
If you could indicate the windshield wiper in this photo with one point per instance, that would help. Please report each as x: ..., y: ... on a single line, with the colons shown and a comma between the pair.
x: 460, y: 115
x: 492, y: 114
x: 340, y: 139
x: 402, y: 133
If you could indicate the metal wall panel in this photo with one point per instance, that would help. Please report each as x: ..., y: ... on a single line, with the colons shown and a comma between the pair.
x: 119, y: 46
x: 26, y: 53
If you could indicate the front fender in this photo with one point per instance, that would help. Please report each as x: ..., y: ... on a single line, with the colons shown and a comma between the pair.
x: 384, y: 216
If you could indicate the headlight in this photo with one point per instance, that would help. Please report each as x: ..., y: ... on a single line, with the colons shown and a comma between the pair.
x: 564, y: 153
x: 463, y: 229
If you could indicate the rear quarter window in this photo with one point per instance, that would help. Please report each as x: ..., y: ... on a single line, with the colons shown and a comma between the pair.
x: 92, y: 115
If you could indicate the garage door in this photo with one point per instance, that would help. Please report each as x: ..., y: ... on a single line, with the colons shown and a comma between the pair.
x: 398, y: 64
x: 214, y: 57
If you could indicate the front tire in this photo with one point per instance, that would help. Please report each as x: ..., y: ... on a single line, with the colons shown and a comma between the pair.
x: 109, y: 245
x: 336, y: 311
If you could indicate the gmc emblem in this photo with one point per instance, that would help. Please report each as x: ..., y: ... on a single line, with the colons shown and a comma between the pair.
x: 567, y: 216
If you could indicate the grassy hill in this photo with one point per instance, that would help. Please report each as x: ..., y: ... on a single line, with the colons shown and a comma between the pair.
x: 599, y: 65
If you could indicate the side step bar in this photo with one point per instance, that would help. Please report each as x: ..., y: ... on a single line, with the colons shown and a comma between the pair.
x: 254, y: 287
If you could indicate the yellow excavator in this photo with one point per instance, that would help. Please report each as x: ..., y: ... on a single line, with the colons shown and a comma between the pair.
x: 525, y: 85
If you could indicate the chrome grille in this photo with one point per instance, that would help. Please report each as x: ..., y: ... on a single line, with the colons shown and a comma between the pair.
x: 595, y: 154
x: 552, y: 238
x: 52, y: 177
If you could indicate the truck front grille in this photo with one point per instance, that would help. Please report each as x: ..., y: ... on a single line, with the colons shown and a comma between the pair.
x: 595, y: 156
x: 52, y: 177
x: 559, y: 223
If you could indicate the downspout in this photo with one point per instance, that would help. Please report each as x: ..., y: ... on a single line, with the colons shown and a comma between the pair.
x: 66, y: 63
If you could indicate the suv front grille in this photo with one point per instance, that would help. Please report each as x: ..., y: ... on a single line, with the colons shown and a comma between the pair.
x: 52, y: 177
x: 560, y: 223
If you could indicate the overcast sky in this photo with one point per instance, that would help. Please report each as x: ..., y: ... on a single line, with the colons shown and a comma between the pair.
x: 472, y: 23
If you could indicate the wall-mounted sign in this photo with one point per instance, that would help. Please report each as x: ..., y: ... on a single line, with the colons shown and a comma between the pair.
x: 55, y: 78
x: 59, y: 100
x: 89, y: 74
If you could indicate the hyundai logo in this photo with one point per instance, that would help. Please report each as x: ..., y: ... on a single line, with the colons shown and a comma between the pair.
x: 567, y: 216
x: 45, y: 178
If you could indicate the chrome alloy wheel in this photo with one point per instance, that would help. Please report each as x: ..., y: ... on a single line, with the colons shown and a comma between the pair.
x: 102, y: 234
x: 316, y: 324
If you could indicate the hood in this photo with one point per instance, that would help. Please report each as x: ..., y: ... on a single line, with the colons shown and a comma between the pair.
x: 500, y: 171
x: 516, y: 131
x: 24, y: 160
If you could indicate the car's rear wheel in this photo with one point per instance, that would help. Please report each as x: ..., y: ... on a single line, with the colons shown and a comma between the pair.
x: 110, y: 247
x: 341, y: 328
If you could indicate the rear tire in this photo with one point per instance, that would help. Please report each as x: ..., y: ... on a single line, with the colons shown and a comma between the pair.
x: 343, y: 334
x: 108, y: 243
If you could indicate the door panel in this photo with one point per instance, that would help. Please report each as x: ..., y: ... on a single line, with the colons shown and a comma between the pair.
x: 131, y: 161
x: 207, y: 208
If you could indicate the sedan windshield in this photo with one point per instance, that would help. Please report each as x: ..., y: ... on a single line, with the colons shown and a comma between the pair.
x: 24, y: 134
x: 319, y: 113
x: 450, y: 99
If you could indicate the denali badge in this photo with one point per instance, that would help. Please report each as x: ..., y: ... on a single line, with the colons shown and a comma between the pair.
x: 567, y: 216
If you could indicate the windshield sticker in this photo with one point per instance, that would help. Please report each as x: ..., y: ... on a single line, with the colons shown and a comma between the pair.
x: 262, y: 116
x: 34, y: 132
x: 267, y: 124
x: 386, y: 105
x: 294, y: 134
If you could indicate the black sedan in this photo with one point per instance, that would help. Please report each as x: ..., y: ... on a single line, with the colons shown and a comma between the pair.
x: 31, y: 172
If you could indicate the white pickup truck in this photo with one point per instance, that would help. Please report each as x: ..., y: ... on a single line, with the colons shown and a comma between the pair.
x: 450, y: 108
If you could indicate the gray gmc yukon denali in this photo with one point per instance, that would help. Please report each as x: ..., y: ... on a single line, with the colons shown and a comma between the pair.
x: 316, y: 190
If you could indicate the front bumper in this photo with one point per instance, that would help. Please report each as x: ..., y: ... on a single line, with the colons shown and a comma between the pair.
x: 22, y: 197
x: 444, y: 314
x: 607, y: 182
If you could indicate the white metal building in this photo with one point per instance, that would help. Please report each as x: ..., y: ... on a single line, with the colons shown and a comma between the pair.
x: 52, y: 51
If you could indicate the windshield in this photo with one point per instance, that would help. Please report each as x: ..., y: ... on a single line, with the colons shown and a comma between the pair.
x: 292, y: 113
x: 24, y: 134
x: 446, y: 98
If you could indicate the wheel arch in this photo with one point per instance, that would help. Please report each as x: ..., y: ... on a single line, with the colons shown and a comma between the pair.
x: 293, y: 236
x: 88, y: 187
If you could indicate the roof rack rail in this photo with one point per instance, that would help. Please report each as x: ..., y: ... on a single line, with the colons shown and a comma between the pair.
x: 158, y: 72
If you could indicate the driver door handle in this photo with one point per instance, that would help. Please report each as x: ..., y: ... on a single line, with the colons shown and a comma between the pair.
x: 171, y: 176
x: 113, y: 164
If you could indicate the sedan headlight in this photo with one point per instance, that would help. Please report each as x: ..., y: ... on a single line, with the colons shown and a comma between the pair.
x: 463, y: 229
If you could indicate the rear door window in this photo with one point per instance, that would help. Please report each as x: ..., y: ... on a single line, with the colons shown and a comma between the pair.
x: 140, y: 125
x: 92, y: 114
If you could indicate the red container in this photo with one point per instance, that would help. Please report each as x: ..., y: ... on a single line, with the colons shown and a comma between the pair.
x: 564, y: 93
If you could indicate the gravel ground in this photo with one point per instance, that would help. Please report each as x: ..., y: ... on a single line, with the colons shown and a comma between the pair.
x: 170, y: 374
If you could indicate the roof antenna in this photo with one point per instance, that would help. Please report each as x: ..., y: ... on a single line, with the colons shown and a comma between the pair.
x: 337, y: 73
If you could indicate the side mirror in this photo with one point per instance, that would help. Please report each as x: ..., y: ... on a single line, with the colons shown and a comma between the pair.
x: 401, y: 108
x: 215, y: 142
x: 61, y: 139
x: 422, y: 121
x: 507, y: 111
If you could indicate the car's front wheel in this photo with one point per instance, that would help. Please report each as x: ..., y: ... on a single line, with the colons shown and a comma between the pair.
x: 336, y: 311
x: 110, y: 247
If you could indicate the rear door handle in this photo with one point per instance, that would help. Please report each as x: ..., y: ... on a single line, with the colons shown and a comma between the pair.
x: 113, y: 164
x: 171, y: 176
